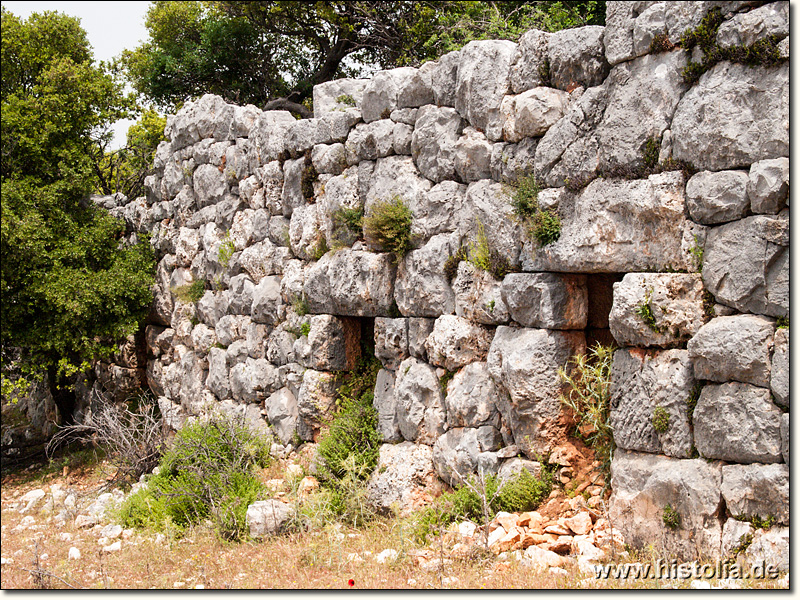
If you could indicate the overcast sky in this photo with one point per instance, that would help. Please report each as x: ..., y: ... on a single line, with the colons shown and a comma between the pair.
x: 110, y: 26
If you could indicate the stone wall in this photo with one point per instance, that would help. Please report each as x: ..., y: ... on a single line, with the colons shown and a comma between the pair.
x: 687, y: 271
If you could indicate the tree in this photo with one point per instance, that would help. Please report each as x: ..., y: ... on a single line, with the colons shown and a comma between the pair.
x: 70, y: 288
x: 272, y: 53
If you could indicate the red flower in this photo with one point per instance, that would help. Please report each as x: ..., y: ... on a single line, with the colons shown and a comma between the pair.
x: 350, y: 582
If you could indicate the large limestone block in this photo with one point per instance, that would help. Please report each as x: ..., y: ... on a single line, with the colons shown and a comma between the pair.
x: 641, y: 382
x: 547, y: 300
x: 769, y: 547
x: 208, y: 117
x: 473, y: 156
x: 619, y: 227
x: 396, y: 88
x: 511, y: 162
x: 768, y: 186
x: 326, y: 346
x: 421, y: 288
x: 253, y: 380
x: 472, y: 398
x: 269, y: 133
x: 487, y: 213
x: 673, y: 300
x: 436, y: 132
x: 618, y: 34
x: 338, y: 95
x: 642, y: 97
x: 747, y: 28
x: 577, y: 57
x: 483, y: 79
x: 395, y: 176
x: 456, y: 342
x: 735, y: 348
x: 316, y: 402
x: 210, y: 185
x: 757, y: 491
x: 292, y: 194
x: 478, y: 296
x: 329, y: 158
x: 384, y: 402
x: 369, y: 141
x: 391, y: 341
x: 241, y: 294
x: 437, y: 211
x: 352, y: 283
x: 532, y: 113
x: 779, y: 377
x: 746, y: 265
x: 340, y: 192
x: 404, y: 478
x: 264, y: 259
x: 282, y: 414
x: 644, y: 484
x: 737, y: 422
x: 444, y: 76
x: 456, y: 454
x: 734, y: 116
x: 524, y: 364
x: 714, y: 198
x: 419, y: 328
x: 305, y: 232
x: 529, y: 59
x: 419, y: 404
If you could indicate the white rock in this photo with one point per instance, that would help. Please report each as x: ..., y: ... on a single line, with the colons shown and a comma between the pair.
x: 74, y: 554
x: 386, y: 556
x: 115, y: 547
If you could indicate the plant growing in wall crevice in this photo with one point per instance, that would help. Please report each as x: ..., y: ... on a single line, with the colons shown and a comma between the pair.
x: 542, y: 225
x: 388, y: 226
x: 226, y: 250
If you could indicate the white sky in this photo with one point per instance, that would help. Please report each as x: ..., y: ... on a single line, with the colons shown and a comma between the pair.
x: 110, y: 26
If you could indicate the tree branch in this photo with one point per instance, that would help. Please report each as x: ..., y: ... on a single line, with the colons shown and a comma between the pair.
x: 293, y: 107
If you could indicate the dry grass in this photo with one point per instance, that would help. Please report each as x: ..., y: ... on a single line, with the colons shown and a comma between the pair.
x: 319, y: 559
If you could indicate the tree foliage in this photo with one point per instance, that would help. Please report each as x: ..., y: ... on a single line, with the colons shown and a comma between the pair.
x: 69, y: 288
x: 272, y: 53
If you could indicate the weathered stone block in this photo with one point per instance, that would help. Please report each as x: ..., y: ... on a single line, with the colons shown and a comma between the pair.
x: 577, y: 57
x: 268, y: 517
x: 316, y: 402
x: 547, y: 300
x: 779, y: 378
x: 532, y: 113
x: 524, y: 364
x: 418, y: 331
x: 404, y: 478
x: 734, y: 116
x: 643, y: 383
x: 473, y: 155
x: 436, y: 132
x: 735, y: 348
x: 768, y: 185
x: 714, y: 198
x: 644, y: 484
x: 456, y: 342
x: 757, y: 491
x: 657, y: 309
x: 326, y: 348
x: 746, y: 265
x: 530, y: 56
x: 472, y: 397
x: 421, y: 288
x: 478, y: 296
x: 418, y: 402
x: 338, y: 95
x: 282, y: 414
x: 384, y: 402
x: 737, y: 422
x: 747, y: 28
x: 391, y: 341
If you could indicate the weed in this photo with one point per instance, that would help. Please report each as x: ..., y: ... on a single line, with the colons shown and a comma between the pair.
x: 652, y: 148
x: 744, y: 543
x: 691, y: 400
x: 207, y: 474
x: 708, y: 304
x: 300, y: 305
x: 478, y: 500
x: 191, y: 292
x: 697, y: 252
x: 348, y: 224
x: 545, y: 226
x: 588, y: 397
x: 661, y: 43
x: 660, y: 419
x: 445, y: 379
x: 389, y: 227
x: 307, y: 180
x: 763, y: 52
x: 645, y: 312
x: 346, y: 99
x: 305, y: 329
x: 452, y: 262
x: 484, y: 256
x: 757, y: 521
x: 226, y: 250
x: 386, y: 113
x: 671, y: 517
x: 524, y: 200
x: 782, y: 322
x: 491, y: 305
x: 321, y: 247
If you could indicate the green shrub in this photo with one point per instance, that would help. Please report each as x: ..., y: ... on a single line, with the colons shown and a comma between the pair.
x: 307, y: 180
x: 661, y: 43
x: 660, y: 419
x: 305, y: 329
x: 524, y: 200
x: 483, y: 255
x: 452, y: 262
x: 545, y: 226
x: 321, y: 246
x: 671, y: 517
x: 652, y: 148
x: 347, y: 225
x: 521, y: 493
x: 645, y: 313
x: 346, y: 99
x: 389, y: 227
x: 588, y: 397
x: 783, y: 322
x: 226, y: 250
x: 542, y: 225
x: 191, y: 292
x: 300, y: 305
x: 208, y: 473
x: 445, y: 379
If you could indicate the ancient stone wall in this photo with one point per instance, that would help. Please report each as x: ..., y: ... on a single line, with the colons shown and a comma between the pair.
x: 683, y: 266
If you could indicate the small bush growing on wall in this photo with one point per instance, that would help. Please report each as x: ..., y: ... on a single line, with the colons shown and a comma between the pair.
x: 226, y: 250
x: 389, y: 227
x: 660, y: 419
x: 191, y: 292
x: 542, y: 225
x: 671, y: 517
